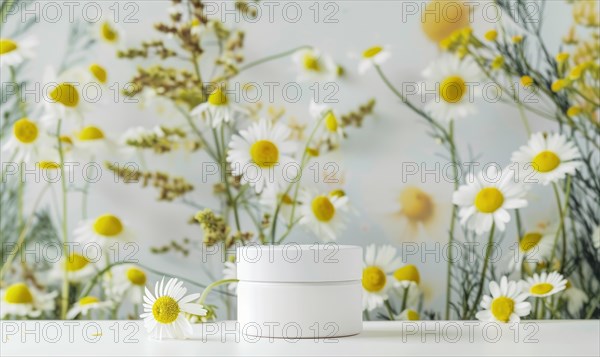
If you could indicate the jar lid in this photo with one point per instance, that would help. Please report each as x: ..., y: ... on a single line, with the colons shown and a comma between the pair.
x: 317, y: 262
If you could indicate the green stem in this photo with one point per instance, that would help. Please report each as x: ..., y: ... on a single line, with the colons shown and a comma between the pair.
x: 232, y: 202
x: 524, y: 117
x: 271, y: 58
x: 212, y: 286
x: 404, y: 298
x: 452, y: 222
x: 486, y: 260
x: 561, y: 228
x: 63, y: 180
x: 390, y: 312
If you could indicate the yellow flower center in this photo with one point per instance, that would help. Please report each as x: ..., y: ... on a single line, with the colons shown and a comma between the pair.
x: 90, y: 133
x: 66, y: 139
x: 541, y: 288
x: 165, y: 310
x: 529, y: 241
x: 65, y: 94
x: 108, y: 225
x: 526, y: 81
x: 136, y: 276
x: 442, y: 18
x: 311, y: 63
x: 322, y: 208
x: 218, y: 97
x: 76, y: 262
x: 373, y: 279
x: 331, y: 122
x: 489, y: 199
x: 502, y: 308
x: 48, y: 165
x: 7, y: 46
x: 372, y: 52
x: 98, y: 72
x: 88, y: 300
x: 18, y: 294
x: 546, y: 161
x: 25, y: 130
x: 286, y: 199
x: 109, y: 33
x: 453, y: 89
x: 412, y: 315
x: 416, y: 204
x: 337, y: 193
x: 264, y: 153
x: 408, y: 273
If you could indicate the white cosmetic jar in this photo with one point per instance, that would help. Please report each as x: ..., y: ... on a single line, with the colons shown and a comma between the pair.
x: 299, y: 291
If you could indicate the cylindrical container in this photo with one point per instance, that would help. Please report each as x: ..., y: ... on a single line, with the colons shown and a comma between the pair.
x: 300, y: 291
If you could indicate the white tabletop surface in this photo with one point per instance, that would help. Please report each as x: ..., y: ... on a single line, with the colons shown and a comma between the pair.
x: 463, y: 338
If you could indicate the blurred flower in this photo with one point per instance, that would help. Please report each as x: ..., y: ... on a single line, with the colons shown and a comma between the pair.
x: 534, y: 247
x: 491, y: 35
x: 109, y: 33
x: 127, y: 281
x: 13, y: 52
x: 103, y: 230
x: 214, y: 228
x: 272, y: 196
x: 217, y: 109
x: 86, y: 305
x: 164, y: 311
x: 507, y: 303
x: 548, y: 157
x: 323, y: 214
x: 22, y: 300
x: 27, y: 142
x: 440, y: 18
x: 262, y: 154
x: 486, y: 199
x: 454, y: 81
x: 419, y: 211
x: 230, y: 272
x: 544, y: 284
x: 79, y: 268
x: 332, y: 132
x: 407, y: 276
x: 64, y: 100
x: 314, y: 66
x: 408, y: 315
x: 377, y: 264
x: 373, y: 56
x: 575, y: 298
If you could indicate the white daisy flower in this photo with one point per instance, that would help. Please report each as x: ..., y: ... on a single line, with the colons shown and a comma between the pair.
x: 544, y: 284
x: 408, y: 315
x: 324, y: 214
x: 314, y: 66
x: 164, y: 311
x: 548, y: 157
x: 575, y: 298
x: 230, y: 272
x: 376, y: 55
x: 407, y: 276
x: 127, y: 282
x: 485, y: 199
x: 62, y: 100
x: 262, y: 155
x: 455, y: 82
x: 332, y: 132
x: 103, y: 230
x: 91, y: 142
x: 534, y: 247
x: 86, y: 305
x: 507, y: 303
x: 218, y: 109
x: 13, y: 52
x: 377, y: 265
x: 22, y: 300
x: 27, y: 142
x: 79, y: 268
x: 272, y: 196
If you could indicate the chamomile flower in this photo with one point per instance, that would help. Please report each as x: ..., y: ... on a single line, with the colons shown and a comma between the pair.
x: 407, y: 276
x: 454, y: 81
x: 314, y: 66
x: 109, y: 33
x: 333, y: 131
x: 103, y: 230
x: 218, y: 109
x: 544, y: 284
x: 507, y: 303
x: 230, y: 272
x: 22, y: 300
x: 86, y: 305
x: 419, y: 211
x: 79, y: 268
x: 164, y: 311
x: 548, y: 157
x: 486, y: 199
x: 373, y: 56
x: 92, y: 142
x: 27, y: 142
x: 377, y: 265
x: 62, y: 100
x: 127, y: 282
x: 14, y: 51
x: 408, y: 315
x: 324, y: 214
x: 272, y: 196
x: 534, y: 247
x: 575, y: 298
x: 262, y: 155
